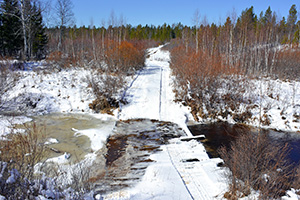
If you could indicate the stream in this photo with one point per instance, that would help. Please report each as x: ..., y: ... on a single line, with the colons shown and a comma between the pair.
x: 222, y: 133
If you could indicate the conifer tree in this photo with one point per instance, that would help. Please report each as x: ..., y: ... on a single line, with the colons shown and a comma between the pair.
x: 11, y: 35
x: 268, y: 16
x: 39, y: 37
x: 282, y: 29
x: 291, y: 20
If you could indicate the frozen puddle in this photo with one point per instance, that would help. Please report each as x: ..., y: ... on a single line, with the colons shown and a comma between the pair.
x: 71, y: 137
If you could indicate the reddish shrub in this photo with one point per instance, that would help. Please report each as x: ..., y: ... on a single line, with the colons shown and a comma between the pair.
x: 199, y: 76
x: 58, y: 58
x: 125, y: 56
x: 287, y: 63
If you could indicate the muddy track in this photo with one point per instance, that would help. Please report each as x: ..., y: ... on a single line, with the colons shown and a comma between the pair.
x: 125, y: 156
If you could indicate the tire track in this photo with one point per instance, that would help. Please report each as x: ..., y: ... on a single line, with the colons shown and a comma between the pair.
x: 150, y: 94
x: 179, y: 174
x: 160, y: 91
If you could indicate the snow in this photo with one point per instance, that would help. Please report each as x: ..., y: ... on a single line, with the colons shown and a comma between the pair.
x: 160, y: 181
x: 6, y: 122
x: 14, y: 175
x: 64, y: 91
x: 51, y: 141
x: 170, y: 177
x: 280, y: 102
x: 291, y: 195
x: 99, y: 135
x: 63, y: 159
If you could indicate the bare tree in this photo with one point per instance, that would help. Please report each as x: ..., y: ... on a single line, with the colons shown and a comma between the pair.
x: 121, y: 22
x: 196, y: 21
x: 102, y: 35
x: 92, y: 27
x: 65, y: 17
x: 47, y: 12
x: 23, y: 20
x: 112, y: 23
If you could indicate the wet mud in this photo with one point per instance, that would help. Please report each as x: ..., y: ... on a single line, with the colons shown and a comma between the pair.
x: 127, y: 152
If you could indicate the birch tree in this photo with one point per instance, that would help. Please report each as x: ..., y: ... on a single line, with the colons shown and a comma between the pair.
x: 196, y: 21
x: 65, y: 18
x: 24, y: 22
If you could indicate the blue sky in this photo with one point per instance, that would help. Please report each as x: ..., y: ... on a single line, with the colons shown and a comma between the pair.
x: 157, y: 12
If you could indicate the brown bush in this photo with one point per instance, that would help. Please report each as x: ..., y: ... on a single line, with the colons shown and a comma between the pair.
x: 200, y: 76
x: 256, y: 163
x: 105, y: 87
x: 21, y: 151
x: 131, y: 57
x: 104, y: 105
x: 296, y: 181
x: 124, y: 57
x: 8, y: 79
x: 287, y: 63
x: 63, y: 61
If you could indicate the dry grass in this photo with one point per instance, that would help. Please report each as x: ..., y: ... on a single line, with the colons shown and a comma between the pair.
x: 22, y: 150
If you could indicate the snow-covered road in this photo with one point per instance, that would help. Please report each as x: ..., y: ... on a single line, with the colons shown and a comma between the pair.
x: 172, y: 176
x: 150, y: 94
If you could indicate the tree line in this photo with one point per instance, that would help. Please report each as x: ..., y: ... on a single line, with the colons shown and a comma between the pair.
x: 23, y: 33
x: 247, y: 41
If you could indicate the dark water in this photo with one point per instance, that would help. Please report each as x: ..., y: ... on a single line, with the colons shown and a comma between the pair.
x: 218, y: 134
